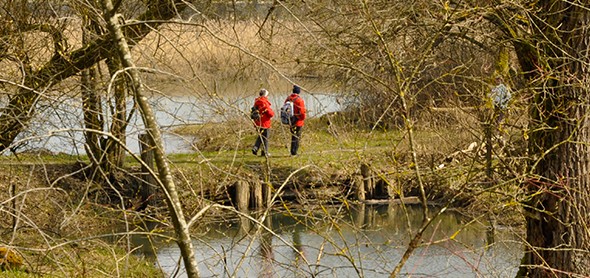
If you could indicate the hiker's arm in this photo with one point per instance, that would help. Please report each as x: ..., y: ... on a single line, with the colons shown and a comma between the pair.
x: 302, y: 111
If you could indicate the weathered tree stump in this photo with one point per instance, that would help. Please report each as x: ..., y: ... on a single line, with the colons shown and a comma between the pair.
x: 391, y: 186
x: 368, y: 181
x: 359, y: 188
x: 242, y: 195
x: 266, y: 194
x: 382, y: 189
x: 257, y: 198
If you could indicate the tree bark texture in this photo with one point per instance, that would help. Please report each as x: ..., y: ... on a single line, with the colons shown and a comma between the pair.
x: 175, y: 208
x: 146, y: 190
x: 242, y: 195
x: 558, y: 209
x: 15, y: 116
x: 256, y: 197
x: 115, y: 151
x: 91, y: 105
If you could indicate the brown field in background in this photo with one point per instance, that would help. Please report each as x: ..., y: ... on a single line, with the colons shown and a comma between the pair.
x: 228, y: 50
x: 200, y: 54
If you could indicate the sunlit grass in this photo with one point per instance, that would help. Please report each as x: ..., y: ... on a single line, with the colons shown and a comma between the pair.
x: 86, y: 262
x: 328, y: 148
x: 228, y: 144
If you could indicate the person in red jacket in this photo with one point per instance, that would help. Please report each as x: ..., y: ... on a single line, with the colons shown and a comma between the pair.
x: 300, y: 114
x: 262, y: 123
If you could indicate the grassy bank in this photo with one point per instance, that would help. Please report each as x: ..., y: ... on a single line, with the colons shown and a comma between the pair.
x: 67, y: 225
x: 56, y: 229
x: 452, y: 163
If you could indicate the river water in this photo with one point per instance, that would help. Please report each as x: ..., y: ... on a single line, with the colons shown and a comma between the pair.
x: 58, y: 123
x: 365, y: 241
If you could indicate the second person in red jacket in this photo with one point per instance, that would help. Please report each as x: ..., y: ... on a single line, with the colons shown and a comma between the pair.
x: 300, y: 114
x: 263, y: 123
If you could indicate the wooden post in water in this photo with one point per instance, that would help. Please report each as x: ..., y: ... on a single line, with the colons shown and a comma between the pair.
x: 146, y: 190
x: 257, y: 197
x: 266, y: 194
x: 359, y: 188
x: 391, y: 186
x: 242, y: 195
x: 368, y: 181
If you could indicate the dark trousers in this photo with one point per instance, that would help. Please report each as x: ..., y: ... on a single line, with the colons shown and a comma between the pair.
x: 261, y: 139
x: 498, y: 115
x: 295, y: 137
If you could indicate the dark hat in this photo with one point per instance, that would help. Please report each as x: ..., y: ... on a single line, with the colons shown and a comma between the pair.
x: 296, y: 89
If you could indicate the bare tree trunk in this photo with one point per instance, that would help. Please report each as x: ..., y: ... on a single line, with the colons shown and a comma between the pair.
x: 92, y: 113
x: 180, y: 225
x: 115, y: 150
x: 110, y: 152
x: 92, y: 108
x: 146, y: 190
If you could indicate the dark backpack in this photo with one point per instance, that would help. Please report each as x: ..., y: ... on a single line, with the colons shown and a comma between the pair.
x: 254, y: 113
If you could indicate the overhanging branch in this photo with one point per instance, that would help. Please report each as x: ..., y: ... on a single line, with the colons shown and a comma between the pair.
x: 17, y: 114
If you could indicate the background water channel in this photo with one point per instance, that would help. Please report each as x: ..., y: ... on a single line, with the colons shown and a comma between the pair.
x: 58, y: 123
x: 365, y: 241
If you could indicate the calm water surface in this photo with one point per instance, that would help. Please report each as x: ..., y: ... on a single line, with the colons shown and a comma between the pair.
x: 367, y: 241
x: 58, y: 122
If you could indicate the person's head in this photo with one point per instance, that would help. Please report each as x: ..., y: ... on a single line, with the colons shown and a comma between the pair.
x: 263, y: 93
x: 296, y: 89
x: 499, y: 79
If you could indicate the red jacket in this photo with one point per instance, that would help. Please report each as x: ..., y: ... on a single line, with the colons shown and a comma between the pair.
x: 298, y: 108
x: 265, y: 111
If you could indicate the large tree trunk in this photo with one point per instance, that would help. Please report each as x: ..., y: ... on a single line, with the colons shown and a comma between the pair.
x: 114, y: 146
x: 558, y: 213
x: 106, y: 153
x: 558, y: 216
x: 15, y: 116
x: 91, y: 106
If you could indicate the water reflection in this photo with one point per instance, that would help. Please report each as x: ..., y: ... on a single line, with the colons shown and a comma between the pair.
x: 366, y: 241
x: 266, y: 253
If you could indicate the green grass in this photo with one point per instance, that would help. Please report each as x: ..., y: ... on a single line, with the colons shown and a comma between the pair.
x: 321, y: 146
x: 227, y: 146
x: 16, y: 274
